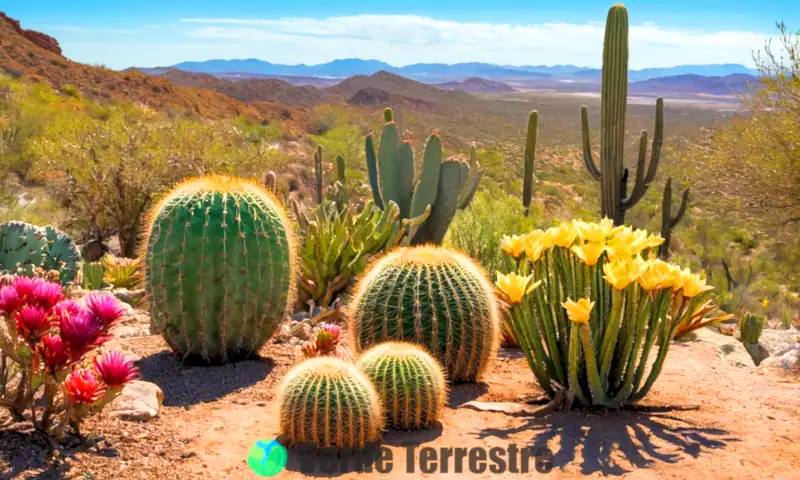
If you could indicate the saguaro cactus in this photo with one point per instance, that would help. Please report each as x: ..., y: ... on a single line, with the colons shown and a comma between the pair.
x: 530, y: 158
x: 318, y: 174
x: 429, y: 296
x: 220, y: 267
x: 612, y: 173
x: 668, y: 222
x: 445, y: 186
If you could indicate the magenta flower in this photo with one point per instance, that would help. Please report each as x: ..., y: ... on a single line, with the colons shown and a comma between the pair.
x: 82, y: 387
x: 10, y: 300
x: 82, y: 332
x: 54, y: 352
x: 328, y: 337
x: 32, y: 322
x: 115, y: 369
x: 67, y: 308
x: 26, y: 287
x: 47, y: 294
x: 105, y: 307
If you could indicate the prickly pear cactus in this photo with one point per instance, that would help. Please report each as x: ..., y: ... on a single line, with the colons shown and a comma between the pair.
x: 434, y: 297
x: 25, y: 248
x: 410, y: 382
x: 328, y: 402
x: 219, y: 267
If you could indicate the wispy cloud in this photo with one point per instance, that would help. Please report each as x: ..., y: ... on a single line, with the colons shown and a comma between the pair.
x: 66, y: 29
x: 403, y: 39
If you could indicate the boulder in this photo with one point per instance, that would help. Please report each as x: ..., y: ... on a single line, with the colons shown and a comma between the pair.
x: 790, y: 360
x: 778, y: 342
x: 730, y: 349
x: 139, y: 401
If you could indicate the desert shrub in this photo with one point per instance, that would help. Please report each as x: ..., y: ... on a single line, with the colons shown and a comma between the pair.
x: 477, y: 231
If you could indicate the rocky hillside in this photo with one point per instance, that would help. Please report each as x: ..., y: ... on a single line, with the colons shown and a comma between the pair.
x: 477, y: 85
x: 38, y: 57
x: 396, y: 85
x: 250, y: 89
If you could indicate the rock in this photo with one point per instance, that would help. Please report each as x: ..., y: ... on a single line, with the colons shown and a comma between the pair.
x: 114, y: 344
x: 128, y: 331
x: 730, y: 349
x: 788, y: 361
x: 133, y: 297
x: 757, y: 352
x: 139, y: 401
x: 778, y: 342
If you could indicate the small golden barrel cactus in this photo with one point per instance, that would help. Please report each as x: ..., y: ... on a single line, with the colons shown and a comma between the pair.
x: 434, y: 297
x: 327, y: 402
x: 410, y: 382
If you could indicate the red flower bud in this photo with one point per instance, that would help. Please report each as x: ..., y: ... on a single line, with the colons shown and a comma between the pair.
x: 54, y: 352
x: 328, y: 337
x: 32, y: 322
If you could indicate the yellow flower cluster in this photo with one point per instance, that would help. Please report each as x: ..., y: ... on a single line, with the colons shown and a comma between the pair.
x: 623, y: 246
x: 580, y: 311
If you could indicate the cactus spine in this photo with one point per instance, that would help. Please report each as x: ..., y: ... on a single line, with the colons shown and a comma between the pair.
x: 327, y: 402
x: 220, y: 267
x: 668, y: 222
x: 530, y: 158
x: 612, y: 173
x: 750, y: 328
x: 410, y: 382
x: 430, y: 296
x: 445, y: 186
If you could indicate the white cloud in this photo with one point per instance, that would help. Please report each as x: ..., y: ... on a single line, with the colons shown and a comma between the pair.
x: 404, y: 39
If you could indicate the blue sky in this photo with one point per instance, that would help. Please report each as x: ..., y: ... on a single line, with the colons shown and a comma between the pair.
x: 164, y: 32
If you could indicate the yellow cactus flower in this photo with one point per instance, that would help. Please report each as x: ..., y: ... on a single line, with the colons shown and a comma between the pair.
x: 512, y: 245
x: 515, y: 286
x: 653, y: 241
x: 561, y: 236
x: 534, y: 248
x: 607, y: 225
x: 654, y: 274
x: 693, y: 285
x: 619, y: 248
x: 621, y: 273
x: 589, y: 253
x: 764, y: 302
x: 580, y: 311
x: 590, y: 232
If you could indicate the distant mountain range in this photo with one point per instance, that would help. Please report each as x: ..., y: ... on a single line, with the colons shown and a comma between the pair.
x: 439, y: 72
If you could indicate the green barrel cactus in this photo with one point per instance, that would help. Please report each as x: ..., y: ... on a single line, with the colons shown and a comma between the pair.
x: 434, y: 297
x: 24, y: 248
x: 327, y: 402
x: 220, y: 267
x: 750, y: 328
x: 410, y: 382
x: 92, y: 275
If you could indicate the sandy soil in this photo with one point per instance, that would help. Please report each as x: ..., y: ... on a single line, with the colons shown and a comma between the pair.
x: 702, y: 418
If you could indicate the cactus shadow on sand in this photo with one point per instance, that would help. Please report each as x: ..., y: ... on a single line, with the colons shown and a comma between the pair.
x: 615, y: 443
x: 192, y: 381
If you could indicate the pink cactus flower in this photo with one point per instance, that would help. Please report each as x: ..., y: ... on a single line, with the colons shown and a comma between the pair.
x: 83, y: 388
x: 82, y: 332
x: 105, y: 307
x: 54, y: 352
x: 67, y: 308
x: 328, y: 337
x: 26, y: 287
x: 10, y: 300
x: 115, y: 369
x: 47, y: 294
x: 32, y: 322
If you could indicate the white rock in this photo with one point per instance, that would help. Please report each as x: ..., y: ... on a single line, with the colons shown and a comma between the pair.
x: 788, y: 361
x: 139, y: 401
x: 730, y: 349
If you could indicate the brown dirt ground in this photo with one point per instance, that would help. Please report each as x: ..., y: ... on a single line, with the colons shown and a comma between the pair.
x: 702, y: 418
